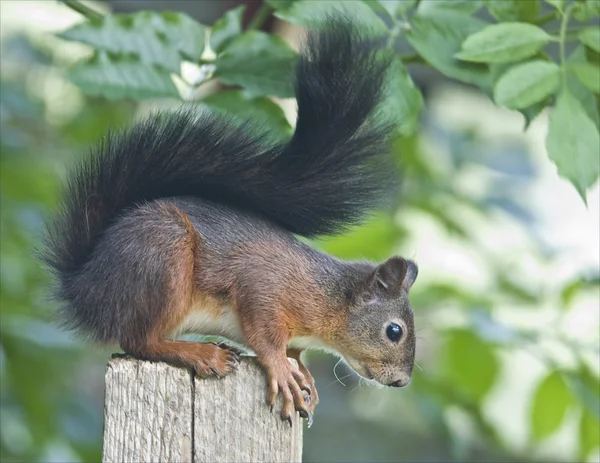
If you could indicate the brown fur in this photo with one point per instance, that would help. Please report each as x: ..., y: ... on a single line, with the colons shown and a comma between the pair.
x: 204, y: 359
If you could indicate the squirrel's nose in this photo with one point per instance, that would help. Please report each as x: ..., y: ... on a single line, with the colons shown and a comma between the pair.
x: 402, y: 381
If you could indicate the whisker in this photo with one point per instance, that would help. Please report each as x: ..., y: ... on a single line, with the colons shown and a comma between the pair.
x: 418, y: 366
x: 335, y: 374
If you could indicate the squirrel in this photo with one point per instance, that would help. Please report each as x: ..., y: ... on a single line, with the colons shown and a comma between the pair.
x: 189, y: 223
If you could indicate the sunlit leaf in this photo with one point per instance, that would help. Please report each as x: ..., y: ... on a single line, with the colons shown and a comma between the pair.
x: 505, y: 42
x: 526, y: 84
x: 161, y: 39
x: 121, y: 77
x: 374, y: 240
x: 437, y: 37
x: 573, y: 143
x: 550, y: 404
x: 470, y: 363
x: 589, y: 435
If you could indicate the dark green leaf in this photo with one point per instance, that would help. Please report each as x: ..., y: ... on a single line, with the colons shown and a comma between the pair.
x: 573, y: 143
x: 588, y: 74
x: 502, y: 43
x: 533, y: 111
x: 470, y: 363
x: 591, y: 38
x: 550, y: 404
x: 404, y: 101
x: 437, y: 37
x: 260, y: 112
x: 526, y: 84
x: 226, y: 28
x: 122, y: 77
x: 259, y: 62
x: 513, y: 10
x: 161, y: 39
x: 311, y: 13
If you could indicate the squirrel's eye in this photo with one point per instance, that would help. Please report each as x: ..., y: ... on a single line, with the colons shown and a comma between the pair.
x: 393, y: 332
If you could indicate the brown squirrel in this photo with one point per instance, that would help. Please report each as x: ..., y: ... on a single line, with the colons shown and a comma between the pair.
x: 185, y: 224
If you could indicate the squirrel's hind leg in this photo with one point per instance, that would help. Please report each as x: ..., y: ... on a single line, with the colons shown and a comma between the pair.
x: 178, y: 244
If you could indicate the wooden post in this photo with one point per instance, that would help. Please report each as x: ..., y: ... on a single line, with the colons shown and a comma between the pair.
x: 154, y: 412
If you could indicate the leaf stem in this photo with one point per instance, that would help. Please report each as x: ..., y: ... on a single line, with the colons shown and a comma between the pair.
x: 563, y: 39
x: 82, y: 9
x: 260, y: 16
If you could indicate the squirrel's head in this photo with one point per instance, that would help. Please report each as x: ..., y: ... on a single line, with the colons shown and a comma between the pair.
x: 380, y: 343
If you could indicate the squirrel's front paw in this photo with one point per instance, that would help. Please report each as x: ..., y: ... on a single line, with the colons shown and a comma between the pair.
x: 216, y: 360
x: 296, y: 392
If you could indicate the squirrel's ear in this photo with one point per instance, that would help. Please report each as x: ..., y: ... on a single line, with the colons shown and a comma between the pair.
x: 394, y: 275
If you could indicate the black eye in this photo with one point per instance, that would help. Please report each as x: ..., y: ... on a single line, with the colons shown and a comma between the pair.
x: 393, y: 332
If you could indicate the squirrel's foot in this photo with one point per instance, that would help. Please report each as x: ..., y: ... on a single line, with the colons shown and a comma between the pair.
x: 215, y: 360
x: 288, y: 381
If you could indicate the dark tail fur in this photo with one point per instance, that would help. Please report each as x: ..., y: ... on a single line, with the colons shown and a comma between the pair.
x: 333, y: 171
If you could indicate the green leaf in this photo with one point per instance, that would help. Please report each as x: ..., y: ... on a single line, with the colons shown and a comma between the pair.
x: 279, y: 4
x: 550, y: 404
x: 572, y: 289
x: 591, y: 38
x: 404, y: 101
x: 121, y: 77
x: 311, y: 13
x: 260, y: 112
x: 589, y: 435
x: 513, y: 10
x: 226, y: 28
x: 259, y: 62
x: 461, y: 6
x: 558, y: 4
x: 161, y: 39
x: 573, y: 143
x: 437, y: 36
x: 584, y: 11
x: 526, y: 84
x: 375, y: 240
x: 502, y: 43
x: 586, y: 387
x: 588, y: 100
x: 397, y: 8
x: 588, y: 74
x: 470, y: 363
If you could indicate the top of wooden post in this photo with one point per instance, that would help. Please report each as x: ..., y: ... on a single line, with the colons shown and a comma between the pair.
x: 155, y: 412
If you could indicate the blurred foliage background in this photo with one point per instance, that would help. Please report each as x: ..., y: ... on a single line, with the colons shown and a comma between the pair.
x: 507, y: 302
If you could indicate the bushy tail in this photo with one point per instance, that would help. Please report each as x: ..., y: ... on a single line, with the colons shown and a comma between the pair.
x: 335, y: 168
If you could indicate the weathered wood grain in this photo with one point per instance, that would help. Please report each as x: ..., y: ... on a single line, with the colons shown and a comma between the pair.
x: 158, y: 413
